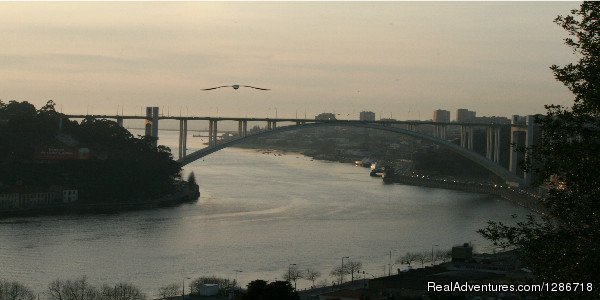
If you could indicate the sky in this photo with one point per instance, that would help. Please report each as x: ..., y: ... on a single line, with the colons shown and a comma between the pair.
x: 399, y: 59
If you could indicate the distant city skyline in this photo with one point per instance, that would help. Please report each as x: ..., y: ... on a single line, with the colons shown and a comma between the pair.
x: 404, y: 59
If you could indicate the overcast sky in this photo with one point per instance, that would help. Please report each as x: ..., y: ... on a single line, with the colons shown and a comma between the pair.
x: 401, y: 58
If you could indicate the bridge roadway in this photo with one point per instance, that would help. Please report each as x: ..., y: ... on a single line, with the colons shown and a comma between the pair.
x: 490, y: 161
x: 293, y: 120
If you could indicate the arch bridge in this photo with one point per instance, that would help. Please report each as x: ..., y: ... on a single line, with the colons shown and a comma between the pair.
x: 408, y: 128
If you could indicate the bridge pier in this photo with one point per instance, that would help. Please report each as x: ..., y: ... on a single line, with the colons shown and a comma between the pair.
x: 516, y: 138
x: 245, y: 128
x: 439, y: 131
x: 152, y: 124
x: 470, y: 142
x: 182, y: 138
x: 120, y: 122
x: 493, y: 143
x: 466, y: 137
x: 212, y: 133
x: 242, y: 128
x: 497, y: 145
x: 489, y: 142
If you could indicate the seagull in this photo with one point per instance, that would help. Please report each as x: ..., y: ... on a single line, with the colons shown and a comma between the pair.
x: 235, y: 87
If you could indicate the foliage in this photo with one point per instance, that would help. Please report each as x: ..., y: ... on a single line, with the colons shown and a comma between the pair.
x: 407, y: 258
x: 169, y: 291
x: 277, y: 290
x: 339, y: 272
x: 10, y: 290
x: 192, y: 179
x: 81, y: 289
x: 224, y: 284
x: 78, y: 289
x: 255, y: 290
x: 121, y: 291
x: 353, y: 267
x: 120, y: 165
x: 311, y: 275
x: 564, y: 245
x: 422, y: 257
x: 293, y: 274
x: 350, y: 268
x: 442, y: 256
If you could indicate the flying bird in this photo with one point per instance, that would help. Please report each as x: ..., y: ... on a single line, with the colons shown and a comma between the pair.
x: 235, y: 87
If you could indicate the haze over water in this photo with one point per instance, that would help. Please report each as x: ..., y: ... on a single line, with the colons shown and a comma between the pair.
x: 257, y: 213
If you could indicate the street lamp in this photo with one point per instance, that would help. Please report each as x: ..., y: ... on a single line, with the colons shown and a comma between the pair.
x: 290, y: 272
x: 432, y: 262
x: 183, y: 287
x: 342, y: 270
x: 390, y: 265
x: 235, y: 281
x: 236, y: 273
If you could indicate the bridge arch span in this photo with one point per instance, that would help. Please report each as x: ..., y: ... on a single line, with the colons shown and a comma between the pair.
x: 475, y: 157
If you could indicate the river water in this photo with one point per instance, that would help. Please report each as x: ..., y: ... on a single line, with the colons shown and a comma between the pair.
x: 258, y: 213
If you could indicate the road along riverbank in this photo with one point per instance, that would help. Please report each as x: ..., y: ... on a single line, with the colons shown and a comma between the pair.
x: 526, y: 198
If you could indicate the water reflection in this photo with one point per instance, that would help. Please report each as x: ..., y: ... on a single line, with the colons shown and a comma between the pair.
x: 257, y: 213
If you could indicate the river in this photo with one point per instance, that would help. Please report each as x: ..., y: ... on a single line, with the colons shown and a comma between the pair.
x: 258, y: 213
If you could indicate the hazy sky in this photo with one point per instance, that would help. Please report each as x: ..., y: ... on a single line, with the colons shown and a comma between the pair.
x: 404, y: 58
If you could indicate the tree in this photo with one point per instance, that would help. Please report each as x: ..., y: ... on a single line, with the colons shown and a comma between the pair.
x: 407, y: 258
x: 255, y: 290
x: 119, y: 168
x: 564, y: 245
x: 169, y: 291
x: 442, y: 255
x: 224, y: 284
x: 78, y: 289
x: 277, y: 290
x: 422, y: 257
x: 15, y: 109
x: 11, y: 290
x: 353, y: 267
x: 121, y: 291
x: 293, y: 274
x: 192, y: 179
x: 311, y: 275
x: 339, y: 272
x: 48, y: 108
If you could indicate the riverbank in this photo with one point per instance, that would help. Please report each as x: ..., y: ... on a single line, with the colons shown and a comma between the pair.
x: 186, y: 193
x: 525, y: 198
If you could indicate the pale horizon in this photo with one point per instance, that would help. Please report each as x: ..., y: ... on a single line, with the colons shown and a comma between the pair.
x: 406, y: 59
